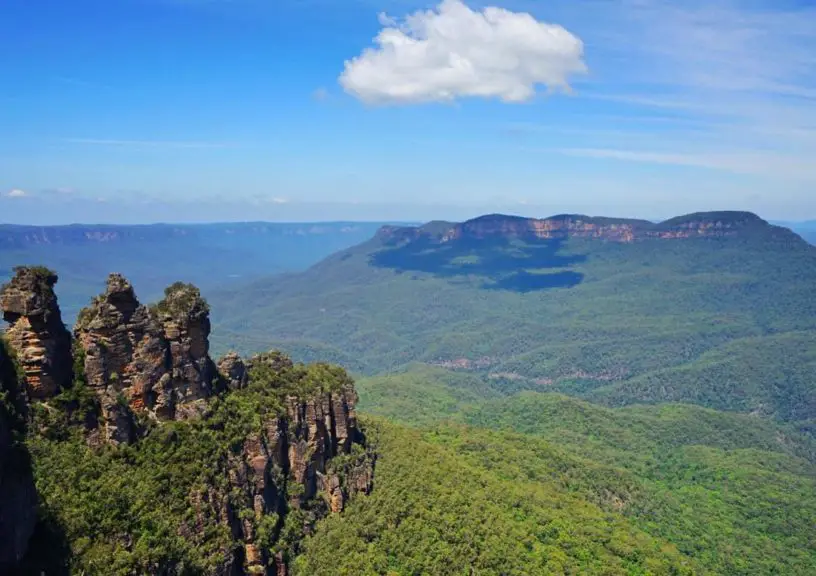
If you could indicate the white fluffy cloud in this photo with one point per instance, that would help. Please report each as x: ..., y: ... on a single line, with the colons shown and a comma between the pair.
x: 453, y: 52
x: 16, y: 193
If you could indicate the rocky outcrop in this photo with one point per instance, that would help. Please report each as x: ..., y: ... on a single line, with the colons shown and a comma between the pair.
x: 257, y: 484
x: 295, y: 456
x: 302, y: 462
x: 233, y: 371
x: 145, y: 362
x: 305, y: 460
x: 298, y: 466
x: 185, y: 319
x: 320, y: 429
x: 125, y: 358
x: 40, y: 340
x: 18, y: 498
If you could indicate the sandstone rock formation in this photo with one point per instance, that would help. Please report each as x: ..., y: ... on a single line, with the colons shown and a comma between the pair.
x: 18, y: 499
x: 40, y: 340
x: 125, y: 357
x: 289, y: 464
x: 300, y: 460
x: 320, y: 429
x: 145, y: 362
x: 233, y: 371
x: 557, y: 227
x: 185, y: 319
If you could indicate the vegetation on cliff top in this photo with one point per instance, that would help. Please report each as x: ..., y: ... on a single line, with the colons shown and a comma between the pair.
x: 181, y: 301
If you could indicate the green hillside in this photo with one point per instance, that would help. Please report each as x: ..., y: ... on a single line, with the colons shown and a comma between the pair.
x: 723, y: 319
x: 438, y: 510
x: 733, y: 493
x: 583, y: 493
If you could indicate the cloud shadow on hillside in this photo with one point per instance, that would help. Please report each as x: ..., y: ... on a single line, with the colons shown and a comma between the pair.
x: 504, y: 264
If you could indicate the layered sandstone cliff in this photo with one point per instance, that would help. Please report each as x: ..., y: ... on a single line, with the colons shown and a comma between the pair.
x: 557, y: 227
x: 185, y: 319
x: 40, y: 340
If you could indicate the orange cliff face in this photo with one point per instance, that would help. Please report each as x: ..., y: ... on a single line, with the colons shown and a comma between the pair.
x: 557, y: 227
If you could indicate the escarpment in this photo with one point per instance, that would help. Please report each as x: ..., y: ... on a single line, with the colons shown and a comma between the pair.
x: 239, y: 459
x: 556, y: 227
x: 566, y: 226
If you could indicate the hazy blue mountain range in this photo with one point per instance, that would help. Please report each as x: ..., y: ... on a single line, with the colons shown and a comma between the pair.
x: 156, y: 255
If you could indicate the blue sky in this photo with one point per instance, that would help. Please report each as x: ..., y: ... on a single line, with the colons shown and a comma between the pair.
x: 202, y: 110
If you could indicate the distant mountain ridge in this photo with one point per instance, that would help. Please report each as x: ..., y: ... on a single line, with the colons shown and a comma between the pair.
x: 20, y: 236
x: 806, y: 229
x: 155, y: 255
x: 563, y: 226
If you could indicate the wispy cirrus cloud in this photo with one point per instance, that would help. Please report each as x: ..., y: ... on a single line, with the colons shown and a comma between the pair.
x: 740, y: 162
x: 148, y: 143
x: 736, y: 77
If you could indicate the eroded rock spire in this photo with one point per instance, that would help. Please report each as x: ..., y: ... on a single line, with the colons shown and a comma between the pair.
x: 152, y: 362
x: 36, y: 333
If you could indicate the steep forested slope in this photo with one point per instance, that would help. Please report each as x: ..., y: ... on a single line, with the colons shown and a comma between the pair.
x: 678, y: 499
x: 437, y: 511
